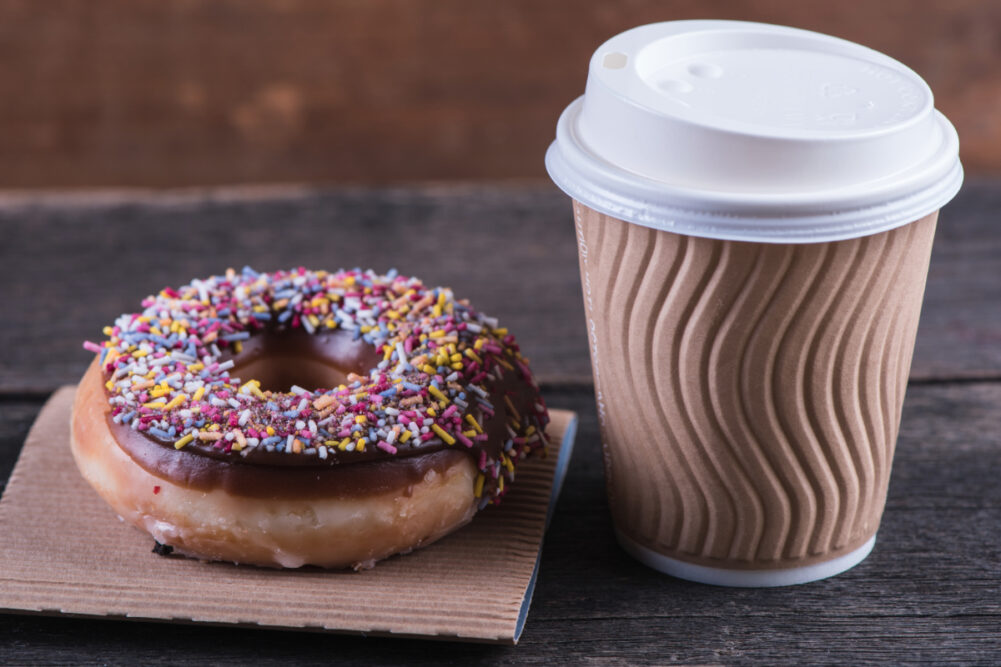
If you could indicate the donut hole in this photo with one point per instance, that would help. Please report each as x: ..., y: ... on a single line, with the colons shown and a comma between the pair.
x: 281, y: 372
x: 281, y: 359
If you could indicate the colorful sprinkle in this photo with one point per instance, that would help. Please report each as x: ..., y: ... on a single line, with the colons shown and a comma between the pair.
x: 440, y: 432
x: 184, y: 440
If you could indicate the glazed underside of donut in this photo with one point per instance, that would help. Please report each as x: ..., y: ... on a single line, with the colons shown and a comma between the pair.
x: 277, y: 532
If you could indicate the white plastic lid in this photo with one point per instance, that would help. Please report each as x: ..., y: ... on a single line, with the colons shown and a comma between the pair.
x: 754, y: 132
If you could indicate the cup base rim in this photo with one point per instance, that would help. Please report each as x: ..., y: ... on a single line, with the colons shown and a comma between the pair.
x: 717, y: 576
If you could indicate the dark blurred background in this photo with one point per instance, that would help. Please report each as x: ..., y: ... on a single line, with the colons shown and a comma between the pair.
x: 183, y: 93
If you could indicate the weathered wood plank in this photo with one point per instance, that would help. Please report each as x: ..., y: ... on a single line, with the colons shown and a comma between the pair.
x: 73, y: 269
x: 927, y: 595
x: 73, y: 263
x: 960, y: 330
x: 16, y: 418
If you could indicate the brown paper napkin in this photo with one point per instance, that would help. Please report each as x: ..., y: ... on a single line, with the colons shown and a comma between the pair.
x: 63, y: 551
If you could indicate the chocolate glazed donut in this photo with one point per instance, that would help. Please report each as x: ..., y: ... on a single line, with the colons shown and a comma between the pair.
x: 268, y: 473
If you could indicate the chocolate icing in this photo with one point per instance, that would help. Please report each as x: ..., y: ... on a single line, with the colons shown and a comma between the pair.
x: 193, y: 470
x: 280, y: 359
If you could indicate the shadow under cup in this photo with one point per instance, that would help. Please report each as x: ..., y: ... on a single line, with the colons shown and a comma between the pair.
x: 749, y: 394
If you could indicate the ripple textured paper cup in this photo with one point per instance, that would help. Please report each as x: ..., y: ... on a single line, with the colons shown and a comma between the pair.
x: 755, y: 207
x: 749, y: 394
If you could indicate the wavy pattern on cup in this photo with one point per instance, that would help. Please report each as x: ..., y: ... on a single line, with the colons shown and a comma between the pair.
x: 752, y: 391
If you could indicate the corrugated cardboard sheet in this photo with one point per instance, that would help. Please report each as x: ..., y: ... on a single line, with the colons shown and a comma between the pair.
x: 62, y: 550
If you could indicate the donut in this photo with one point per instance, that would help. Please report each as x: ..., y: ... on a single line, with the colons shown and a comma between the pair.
x: 304, y: 417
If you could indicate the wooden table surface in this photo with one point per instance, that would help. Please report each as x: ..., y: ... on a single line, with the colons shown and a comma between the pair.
x: 929, y: 593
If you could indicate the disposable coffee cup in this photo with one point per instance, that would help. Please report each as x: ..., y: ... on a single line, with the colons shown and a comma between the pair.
x: 754, y: 207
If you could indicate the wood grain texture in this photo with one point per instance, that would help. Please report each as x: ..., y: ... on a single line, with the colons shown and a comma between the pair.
x: 16, y: 417
x: 926, y: 595
x: 73, y: 263
x: 122, y: 92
